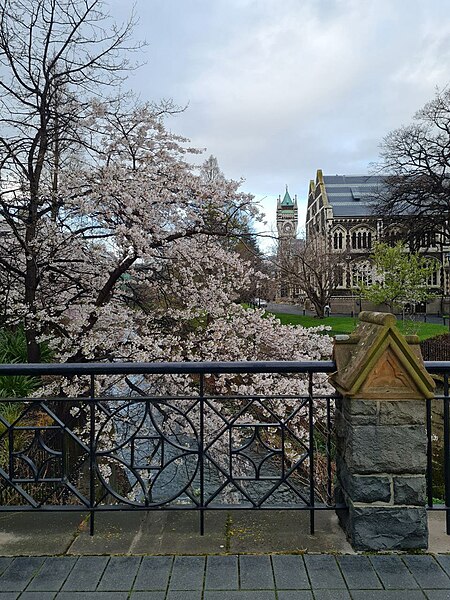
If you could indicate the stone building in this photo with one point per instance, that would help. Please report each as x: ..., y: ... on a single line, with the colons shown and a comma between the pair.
x: 340, y: 212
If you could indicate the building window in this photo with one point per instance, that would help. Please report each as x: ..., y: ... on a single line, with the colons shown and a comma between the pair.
x: 427, y: 240
x: 340, y: 276
x: 337, y: 240
x: 434, y: 278
x: 362, y: 240
x: 362, y: 274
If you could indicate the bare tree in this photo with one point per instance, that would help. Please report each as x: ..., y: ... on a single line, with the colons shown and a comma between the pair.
x: 416, y: 161
x: 210, y: 171
x: 313, y: 269
x: 56, y: 57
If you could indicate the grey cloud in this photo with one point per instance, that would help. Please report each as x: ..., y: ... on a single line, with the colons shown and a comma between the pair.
x: 277, y: 89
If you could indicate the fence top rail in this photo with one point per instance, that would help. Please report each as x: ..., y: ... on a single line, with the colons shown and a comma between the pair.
x: 169, y: 368
x: 437, y: 366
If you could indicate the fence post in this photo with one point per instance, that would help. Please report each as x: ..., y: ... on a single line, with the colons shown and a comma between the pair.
x: 381, y: 435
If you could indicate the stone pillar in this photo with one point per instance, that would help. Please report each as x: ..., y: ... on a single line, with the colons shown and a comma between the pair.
x: 381, y: 435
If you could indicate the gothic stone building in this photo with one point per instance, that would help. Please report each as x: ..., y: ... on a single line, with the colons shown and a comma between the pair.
x: 339, y: 210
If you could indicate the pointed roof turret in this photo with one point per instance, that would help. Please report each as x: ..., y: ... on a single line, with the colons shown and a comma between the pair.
x: 287, y: 200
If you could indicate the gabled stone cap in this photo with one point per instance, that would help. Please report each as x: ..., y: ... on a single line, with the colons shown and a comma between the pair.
x: 378, y: 362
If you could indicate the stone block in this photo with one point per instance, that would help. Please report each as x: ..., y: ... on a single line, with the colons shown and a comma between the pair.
x: 386, y: 449
x: 410, y: 412
x: 363, y: 488
x: 367, y: 488
x: 387, y: 528
x: 355, y: 407
x: 360, y: 412
x: 410, y: 490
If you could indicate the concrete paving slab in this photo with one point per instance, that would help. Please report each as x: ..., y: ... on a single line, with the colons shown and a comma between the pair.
x: 86, y: 574
x: 240, y: 595
x: 154, y: 573
x: 190, y: 595
x: 187, y: 573
x: 437, y: 594
x: 20, y: 572
x: 35, y: 534
x: 177, y: 532
x: 438, y: 540
x: 323, y: 572
x: 427, y: 572
x: 358, y: 573
x: 255, y: 573
x: 393, y: 573
x: 38, y: 595
x: 92, y: 596
x: 119, y: 574
x: 290, y: 595
x: 389, y: 595
x: 290, y: 572
x: 222, y: 573
x: 52, y: 574
x: 181, y: 535
x: 331, y: 595
x: 285, y: 531
x: 114, y: 533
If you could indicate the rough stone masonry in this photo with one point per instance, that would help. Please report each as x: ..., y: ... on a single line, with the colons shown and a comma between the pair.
x: 381, y: 435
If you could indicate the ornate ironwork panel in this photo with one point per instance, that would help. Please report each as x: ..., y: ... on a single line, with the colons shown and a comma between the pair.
x: 128, y: 445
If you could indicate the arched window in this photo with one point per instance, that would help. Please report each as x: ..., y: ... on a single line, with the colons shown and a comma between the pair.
x: 362, y: 273
x: 362, y: 239
x: 337, y: 240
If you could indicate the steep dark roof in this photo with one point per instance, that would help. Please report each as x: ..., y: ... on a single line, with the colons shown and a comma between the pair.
x: 352, y: 195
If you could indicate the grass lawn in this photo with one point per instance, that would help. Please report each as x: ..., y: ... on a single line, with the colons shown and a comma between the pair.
x: 340, y: 325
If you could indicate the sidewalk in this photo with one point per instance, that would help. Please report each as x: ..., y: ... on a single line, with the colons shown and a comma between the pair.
x: 245, y: 577
x: 242, y: 556
x: 170, y: 532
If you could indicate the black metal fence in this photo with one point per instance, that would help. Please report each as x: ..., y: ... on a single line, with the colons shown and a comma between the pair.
x: 436, y: 349
x: 438, y: 434
x: 169, y: 436
x: 118, y: 444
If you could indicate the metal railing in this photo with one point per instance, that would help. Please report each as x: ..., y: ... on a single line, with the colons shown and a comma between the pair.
x: 196, y: 451
x: 165, y: 436
x: 438, y: 441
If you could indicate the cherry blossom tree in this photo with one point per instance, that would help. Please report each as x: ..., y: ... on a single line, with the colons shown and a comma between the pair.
x: 112, y: 243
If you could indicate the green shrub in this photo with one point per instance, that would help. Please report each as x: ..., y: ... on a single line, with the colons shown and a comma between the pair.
x: 13, y: 349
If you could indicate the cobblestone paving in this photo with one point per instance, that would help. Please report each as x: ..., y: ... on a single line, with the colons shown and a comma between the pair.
x: 245, y: 577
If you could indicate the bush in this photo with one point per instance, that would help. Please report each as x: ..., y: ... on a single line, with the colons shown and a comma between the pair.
x: 13, y: 349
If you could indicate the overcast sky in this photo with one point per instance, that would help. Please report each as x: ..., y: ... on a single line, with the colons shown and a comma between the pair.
x: 277, y: 89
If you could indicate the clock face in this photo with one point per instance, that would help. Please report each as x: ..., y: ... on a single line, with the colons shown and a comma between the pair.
x: 287, y: 228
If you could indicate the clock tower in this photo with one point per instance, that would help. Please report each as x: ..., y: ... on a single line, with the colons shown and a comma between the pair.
x: 287, y: 223
x: 287, y: 218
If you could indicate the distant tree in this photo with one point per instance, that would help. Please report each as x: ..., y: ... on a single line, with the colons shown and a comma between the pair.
x: 401, y: 276
x: 313, y: 269
x: 210, y: 171
x: 416, y: 161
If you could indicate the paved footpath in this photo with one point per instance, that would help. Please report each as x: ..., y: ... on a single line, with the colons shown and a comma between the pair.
x: 230, y: 577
